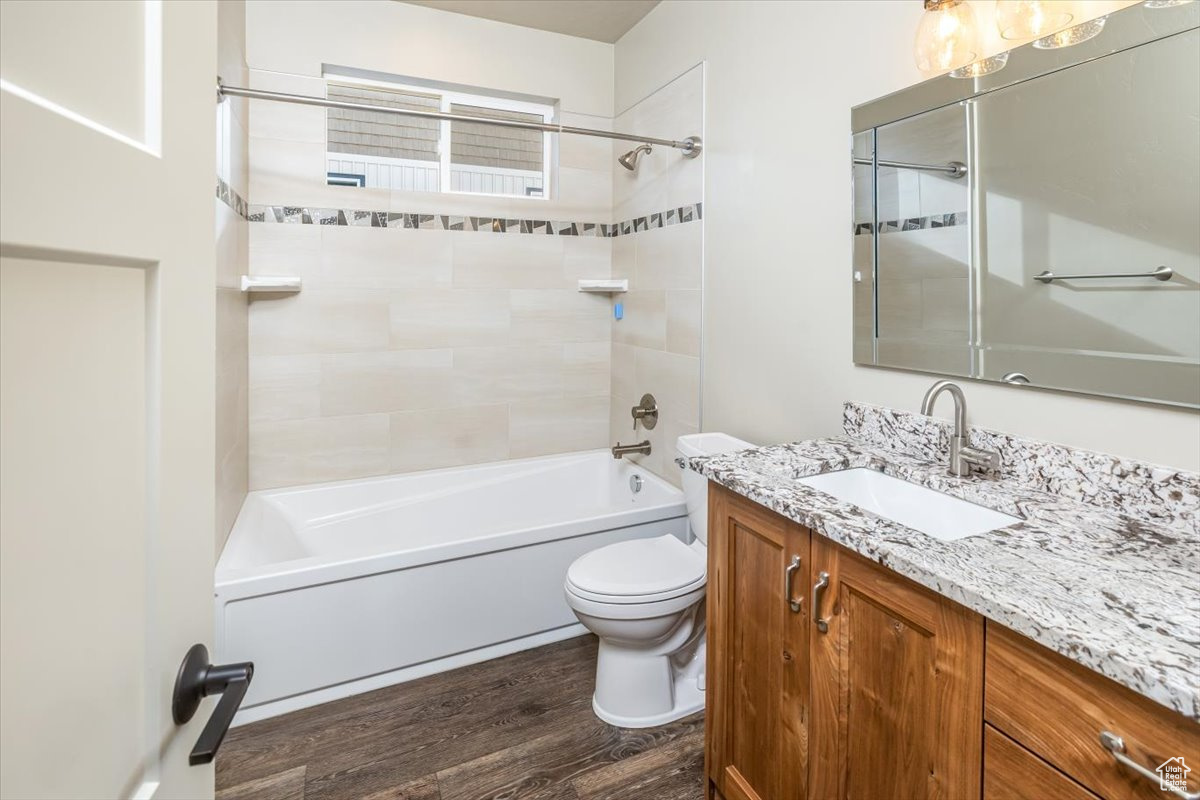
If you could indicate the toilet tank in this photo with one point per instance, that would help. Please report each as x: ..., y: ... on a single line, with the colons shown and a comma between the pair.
x: 695, y: 485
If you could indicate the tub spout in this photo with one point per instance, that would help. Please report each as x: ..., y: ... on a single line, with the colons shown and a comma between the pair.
x: 629, y: 449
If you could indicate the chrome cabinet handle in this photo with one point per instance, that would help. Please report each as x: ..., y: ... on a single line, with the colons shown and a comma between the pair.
x: 1116, y: 745
x: 788, y: 574
x: 818, y: 589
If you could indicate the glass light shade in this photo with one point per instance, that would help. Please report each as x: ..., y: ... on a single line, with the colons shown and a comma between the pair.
x: 984, y: 66
x: 1065, y: 38
x: 1165, y: 3
x: 946, y: 37
x: 1031, y: 19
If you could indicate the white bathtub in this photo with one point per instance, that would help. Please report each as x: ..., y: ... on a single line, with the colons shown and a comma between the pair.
x: 340, y: 588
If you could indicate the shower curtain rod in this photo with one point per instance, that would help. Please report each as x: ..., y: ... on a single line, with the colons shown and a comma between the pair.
x: 690, y: 146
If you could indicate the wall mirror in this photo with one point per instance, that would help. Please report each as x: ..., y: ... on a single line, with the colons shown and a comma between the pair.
x: 1040, y: 225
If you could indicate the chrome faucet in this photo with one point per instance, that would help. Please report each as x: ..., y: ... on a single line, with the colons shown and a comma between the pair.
x: 963, y: 457
x: 630, y: 449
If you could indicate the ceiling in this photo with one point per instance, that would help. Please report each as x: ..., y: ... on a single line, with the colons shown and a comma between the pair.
x: 602, y: 20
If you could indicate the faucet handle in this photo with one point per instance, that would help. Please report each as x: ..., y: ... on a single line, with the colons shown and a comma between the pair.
x: 985, y: 460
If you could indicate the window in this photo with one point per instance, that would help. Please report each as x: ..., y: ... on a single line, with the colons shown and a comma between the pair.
x: 389, y: 151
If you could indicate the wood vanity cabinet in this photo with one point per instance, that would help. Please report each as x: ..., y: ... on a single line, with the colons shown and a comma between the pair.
x: 873, y: 687
x: 897, y: 684
x: 885, y: 702
x: 757, y: 674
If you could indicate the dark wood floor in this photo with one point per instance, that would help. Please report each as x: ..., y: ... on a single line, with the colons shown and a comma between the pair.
x: 517, y: 728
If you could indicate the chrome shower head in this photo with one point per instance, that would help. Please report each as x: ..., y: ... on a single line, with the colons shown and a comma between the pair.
x: 630, y: 159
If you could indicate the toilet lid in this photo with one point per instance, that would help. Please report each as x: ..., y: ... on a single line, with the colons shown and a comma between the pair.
x: 662, y: 566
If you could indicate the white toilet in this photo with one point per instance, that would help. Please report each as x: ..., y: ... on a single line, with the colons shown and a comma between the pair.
x: 644, y: 598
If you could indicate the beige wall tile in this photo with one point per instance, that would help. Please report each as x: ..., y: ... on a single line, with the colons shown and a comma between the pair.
x: 624, y: 257
x: 385, y: 258
x: 586, y: 257
x: 624, y: 370
x: 449, y: 317
x: 584, y: 195
x: 297, y: 452
x: 397, y: 380
x: 586, y: 368
x: 285, y: 387
x: 509, y: 261
x: 286, y: 250
x: 669, y: 258
x: 559, y: 315
x: 448, y: 437
x: 288, y: 121
x: 674, y: 380
x: 683, y: 321
x: 645, y: 321
x: 320, y: 321
x: 496, y: 374
x: 231, y: 429
x: 232, y: 238
x: 585, y: 152
x: 557, y: 425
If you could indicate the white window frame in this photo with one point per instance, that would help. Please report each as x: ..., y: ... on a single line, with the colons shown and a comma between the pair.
x: 450, y: 97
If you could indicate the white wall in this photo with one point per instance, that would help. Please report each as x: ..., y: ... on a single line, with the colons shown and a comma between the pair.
x: 780, y: 81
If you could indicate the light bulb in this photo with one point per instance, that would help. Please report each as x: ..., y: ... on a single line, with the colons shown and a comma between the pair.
x: 1031, y: 19
x: 1079, y: 33
x: 946, y: 37
x: 984, y: 66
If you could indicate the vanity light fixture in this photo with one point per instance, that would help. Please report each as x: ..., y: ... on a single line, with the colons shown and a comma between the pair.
x: 1071, y: 36
x: 984, y: 66
x: 1031, y: 19
x: 946, y: 37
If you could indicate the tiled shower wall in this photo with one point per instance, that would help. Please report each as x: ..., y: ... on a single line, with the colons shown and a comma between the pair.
x: 232, y: 237
x: 418, y: 342
x: 656, y: 346
x: 413, y: 349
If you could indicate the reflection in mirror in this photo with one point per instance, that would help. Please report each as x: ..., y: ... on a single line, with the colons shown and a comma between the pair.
x: 1110, y: 187
x: 923, y: 243
x: 863, y: 259
x: 1081, y: 169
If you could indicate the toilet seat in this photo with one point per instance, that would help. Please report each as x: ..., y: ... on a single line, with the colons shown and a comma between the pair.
x: 638, y: 571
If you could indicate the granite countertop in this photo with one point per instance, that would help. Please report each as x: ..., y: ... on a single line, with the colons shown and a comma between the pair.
x: 1116, y: 592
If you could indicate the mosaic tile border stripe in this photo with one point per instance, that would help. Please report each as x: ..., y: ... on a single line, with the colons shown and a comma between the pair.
x: 914, y: 223
x: 227, y: 195
x: 300, y: 215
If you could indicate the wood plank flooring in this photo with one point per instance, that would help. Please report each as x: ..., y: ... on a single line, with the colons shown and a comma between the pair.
x: 517, y: 728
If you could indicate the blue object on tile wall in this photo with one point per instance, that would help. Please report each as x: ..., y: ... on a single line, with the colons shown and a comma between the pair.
x: 618, y: 310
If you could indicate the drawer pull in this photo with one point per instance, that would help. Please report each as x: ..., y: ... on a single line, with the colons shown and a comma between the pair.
x: 1116, y: 745
x: 788, y: 575
x: 818, y: 590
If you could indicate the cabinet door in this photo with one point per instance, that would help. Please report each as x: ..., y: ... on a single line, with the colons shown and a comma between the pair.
x: 757, y: 652
x: 897, y: 686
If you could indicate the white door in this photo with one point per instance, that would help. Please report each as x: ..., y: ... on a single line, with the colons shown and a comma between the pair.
x: 107, y: 143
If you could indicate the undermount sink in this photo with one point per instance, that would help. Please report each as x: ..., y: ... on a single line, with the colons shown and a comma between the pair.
x: 932, y: 513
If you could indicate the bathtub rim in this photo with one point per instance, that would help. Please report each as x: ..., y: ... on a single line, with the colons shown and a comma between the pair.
x: 231, y: 583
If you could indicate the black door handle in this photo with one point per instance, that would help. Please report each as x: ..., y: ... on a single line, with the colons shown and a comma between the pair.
x: 198, y: 678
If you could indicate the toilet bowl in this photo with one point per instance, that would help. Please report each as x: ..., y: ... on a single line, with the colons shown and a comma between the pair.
x: 644, y: 599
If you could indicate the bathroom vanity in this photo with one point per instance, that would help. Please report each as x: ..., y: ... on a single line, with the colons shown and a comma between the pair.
x: 851, y: 656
